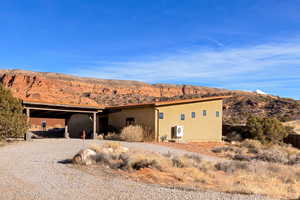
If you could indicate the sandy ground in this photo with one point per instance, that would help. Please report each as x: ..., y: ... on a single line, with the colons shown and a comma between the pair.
x: 32, y: 170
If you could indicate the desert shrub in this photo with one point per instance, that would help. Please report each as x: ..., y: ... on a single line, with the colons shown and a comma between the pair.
x: 294, y: 159
x: 196, y: 158
x: 13, y: 123
x: 163, y: 138
x: 242, y: 157
x: 225, y: 149
x: 181, y: 161
x: 132, y: 133
x: 273, y: 155
x: 232, y: 166
x: 267, y: 130
x: 139, y: 161
x: 253, y: 146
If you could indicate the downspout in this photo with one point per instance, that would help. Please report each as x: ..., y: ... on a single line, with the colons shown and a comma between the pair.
x: 157, y: 124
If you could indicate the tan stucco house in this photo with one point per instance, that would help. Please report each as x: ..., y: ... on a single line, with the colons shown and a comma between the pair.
x: 188, y: 120
x: 197, y: 119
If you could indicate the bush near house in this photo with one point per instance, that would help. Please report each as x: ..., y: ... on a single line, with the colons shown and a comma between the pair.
x: 13, y: 123
x: 132, y: 133
x: 136, y: 133
x: 267, y: 130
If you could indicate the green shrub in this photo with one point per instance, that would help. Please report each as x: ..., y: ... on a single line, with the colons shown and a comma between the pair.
x: 13, y: 123
x: 267, y: 130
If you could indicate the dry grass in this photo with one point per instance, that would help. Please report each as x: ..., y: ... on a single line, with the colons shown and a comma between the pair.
x: 253, y: 150
x: 132, y: 133
x: 255, y: 177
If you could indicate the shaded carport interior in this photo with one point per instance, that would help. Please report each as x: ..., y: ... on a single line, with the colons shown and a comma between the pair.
x: 62, y: 111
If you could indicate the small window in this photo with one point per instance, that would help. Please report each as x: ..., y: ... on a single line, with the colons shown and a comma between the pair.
x: 204, y: 112
x: 182, y: 117
x: 193, y: 115
x: 161, y: 115
x: 130, y: 121
x: 217, y: 114
x: 44, y: 123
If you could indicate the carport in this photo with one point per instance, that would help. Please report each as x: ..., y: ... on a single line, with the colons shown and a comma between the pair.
x: 62, y: 111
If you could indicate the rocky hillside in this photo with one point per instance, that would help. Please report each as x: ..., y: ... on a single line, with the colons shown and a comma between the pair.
x: 60, y: 88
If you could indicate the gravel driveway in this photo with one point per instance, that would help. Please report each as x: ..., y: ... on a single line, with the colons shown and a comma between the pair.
x: 31, y: 170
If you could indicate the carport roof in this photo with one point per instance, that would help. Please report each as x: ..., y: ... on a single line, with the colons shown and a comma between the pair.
x: 52, y: 110
x: 58, y: 105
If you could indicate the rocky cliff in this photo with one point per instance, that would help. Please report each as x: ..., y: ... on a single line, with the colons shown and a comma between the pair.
x: 61, y: 88
x: 53, y: 87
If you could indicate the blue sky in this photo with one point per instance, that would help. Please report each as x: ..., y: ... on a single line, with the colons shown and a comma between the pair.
x: 236, y: 44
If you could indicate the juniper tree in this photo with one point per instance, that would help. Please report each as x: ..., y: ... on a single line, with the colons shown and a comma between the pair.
x: 267, y: 130
x: 13, y: 122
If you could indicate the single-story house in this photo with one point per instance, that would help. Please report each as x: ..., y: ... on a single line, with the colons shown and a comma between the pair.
x: 197, y: 119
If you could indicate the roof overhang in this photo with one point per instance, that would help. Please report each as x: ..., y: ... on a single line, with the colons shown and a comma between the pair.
x: 188, y: 101
x: 167, y: 103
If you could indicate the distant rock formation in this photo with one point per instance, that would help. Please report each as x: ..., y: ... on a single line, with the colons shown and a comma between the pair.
x: 61, y: 88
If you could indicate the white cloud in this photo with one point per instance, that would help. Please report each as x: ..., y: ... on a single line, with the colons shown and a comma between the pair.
x: 258, y: 91
x: 204, y: 64
x: 228, y: 66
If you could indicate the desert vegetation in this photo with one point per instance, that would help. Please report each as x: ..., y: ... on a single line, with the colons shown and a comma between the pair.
x: 253, y: 150
x: 13, y: 123
x: 275, y: 179
x: 131, y: 133
x: 263, y: 129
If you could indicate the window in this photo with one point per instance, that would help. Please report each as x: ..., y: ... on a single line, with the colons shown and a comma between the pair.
x: 204, y: 113
x: 193, y: 115
x: 182, y: 117
x: 161, y: 115
x: 217, y: 114
x: 130, y: 121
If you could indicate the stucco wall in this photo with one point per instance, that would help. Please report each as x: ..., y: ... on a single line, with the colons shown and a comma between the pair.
x: 143, y: 116
x: 200, y: 128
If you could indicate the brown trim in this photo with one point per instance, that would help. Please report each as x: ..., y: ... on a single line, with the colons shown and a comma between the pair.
x: 68, y: 107
x: 185, y: 101
x: 60, y: 110
x: 166, y: 103
x: 130, y: 106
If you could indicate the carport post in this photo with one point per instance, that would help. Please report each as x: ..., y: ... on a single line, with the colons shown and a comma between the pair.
x: 94, y: 125
x: 28, y: 114
x: 27, y: 136
x: 66, y: 128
